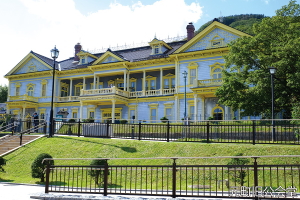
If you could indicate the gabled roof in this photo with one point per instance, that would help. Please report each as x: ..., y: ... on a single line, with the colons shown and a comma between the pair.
x: 208, y: 30
x: 109, y: 54
x: 48, y: 62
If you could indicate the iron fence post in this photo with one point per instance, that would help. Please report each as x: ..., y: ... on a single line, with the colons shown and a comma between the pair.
x: 168, y: 131
x: 21, y: 138
x: 132, y: 132
x: 78, y: 128
x: 174, y: 178
x: 253, y: 132
x: 207, y: 132
x: 140, y: 128
x: 255, y: 177
x: 47, y: 177
x: 105, y: 178
x: 107, y: 128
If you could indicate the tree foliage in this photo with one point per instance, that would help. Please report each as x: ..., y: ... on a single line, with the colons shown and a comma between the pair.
x: 243, y: 22
x: 38, y: 166
x: 237, y: 174
x: 3, y: 93
x: 97, y: 173
x: 2, y: 163
x: 247, y: 81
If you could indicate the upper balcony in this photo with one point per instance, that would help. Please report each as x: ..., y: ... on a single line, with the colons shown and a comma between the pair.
x: 208, y: 82
x: 24, y: 97
x: 116, y: 91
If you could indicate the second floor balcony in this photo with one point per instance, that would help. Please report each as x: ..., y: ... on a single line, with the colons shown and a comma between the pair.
x: 116, y: 91
x: 208, y: 82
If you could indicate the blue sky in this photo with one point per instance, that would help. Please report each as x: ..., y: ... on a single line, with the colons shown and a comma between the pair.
x: 38, y: 25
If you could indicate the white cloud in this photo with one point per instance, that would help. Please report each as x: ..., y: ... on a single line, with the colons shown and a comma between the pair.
x: 46, y: 23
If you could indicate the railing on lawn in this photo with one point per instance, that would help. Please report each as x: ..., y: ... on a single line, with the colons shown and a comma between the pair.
x: 248, y: 179
x: 253, y: 132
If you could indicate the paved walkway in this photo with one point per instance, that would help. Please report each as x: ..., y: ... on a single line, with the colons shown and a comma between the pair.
x: 13, y: 191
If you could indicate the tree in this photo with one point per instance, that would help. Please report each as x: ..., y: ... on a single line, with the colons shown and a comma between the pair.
x: 3, y: 93
x: 237, y: 174
x: 38, y: 166
x: 247, y: 84
x: 96, y: 172
x: 2, y: 163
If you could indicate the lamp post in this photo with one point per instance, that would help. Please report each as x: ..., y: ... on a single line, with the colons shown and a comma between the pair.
x: 54, y: 55
x: 272, y: 72
x: 184, y: 76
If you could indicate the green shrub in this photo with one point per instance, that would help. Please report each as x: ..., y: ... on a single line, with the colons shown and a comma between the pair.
x: 38, y: 167
x: 124, y: 121
x: 164, y: 119
x: 72, y: 120
x: 2, y: 163
x: 238, y: 175
x: 97, y: 174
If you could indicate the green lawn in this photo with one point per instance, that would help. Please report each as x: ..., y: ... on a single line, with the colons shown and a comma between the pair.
x: 18, y: 165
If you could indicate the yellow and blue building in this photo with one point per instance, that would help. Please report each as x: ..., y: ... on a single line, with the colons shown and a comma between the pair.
x: 144, y: 83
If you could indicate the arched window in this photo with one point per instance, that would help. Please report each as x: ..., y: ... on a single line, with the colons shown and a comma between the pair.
x: 217, y: 73
x: 30, y: 91
x: 218, y: 113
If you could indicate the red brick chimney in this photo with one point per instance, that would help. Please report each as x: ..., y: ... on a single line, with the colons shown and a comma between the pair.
x: 77, y: 50
x: 190, y: 31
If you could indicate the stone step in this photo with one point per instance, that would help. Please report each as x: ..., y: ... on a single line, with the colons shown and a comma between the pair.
x: 11, y: 142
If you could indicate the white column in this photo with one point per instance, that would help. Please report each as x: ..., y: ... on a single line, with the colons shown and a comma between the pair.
x: 71, y: 89
x: 195, y: 107
x: 81, y: 110
x: 144, y: 82
x: 161, y: 81
x: 128, y: 81
x: 177, y: 111
x: 203, y: 108
x: 94, y: 81
x: 113, y: 110
x: 125, y: 80
x: 58, y: 87
x: 23, y: 114
x: 176, y: 75
x: 83, y: 87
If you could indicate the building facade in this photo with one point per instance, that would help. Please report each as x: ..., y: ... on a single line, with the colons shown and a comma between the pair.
x: 144, y: 83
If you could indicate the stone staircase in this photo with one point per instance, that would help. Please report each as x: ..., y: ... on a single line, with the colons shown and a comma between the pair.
x: 10, y: 143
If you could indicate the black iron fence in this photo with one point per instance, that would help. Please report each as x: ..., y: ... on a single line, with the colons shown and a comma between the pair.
x: 248, y: 179
x: 254, y: 131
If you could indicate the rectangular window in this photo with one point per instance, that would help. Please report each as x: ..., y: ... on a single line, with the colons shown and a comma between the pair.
x: 77, y: 91
x: 91, y: 114
x: 43, y: 90
x: 166, y: 83
x: 17, y: 91
x: 191, y: 113
x: 74, y: 116
x: 169, y: 113
x: 153, y: 112
x: 192, y: 75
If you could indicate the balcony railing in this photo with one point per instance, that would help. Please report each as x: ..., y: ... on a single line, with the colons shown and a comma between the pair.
x: 208, y: 82
x: 115, y: 90
x: 24, y: 97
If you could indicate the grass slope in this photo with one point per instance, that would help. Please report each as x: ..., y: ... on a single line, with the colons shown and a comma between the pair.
x: 18, y: 165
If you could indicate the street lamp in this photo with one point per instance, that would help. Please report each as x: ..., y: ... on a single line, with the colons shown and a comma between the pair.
x: 54, y: 55
x: 272, y: 72
x: 184, y: 76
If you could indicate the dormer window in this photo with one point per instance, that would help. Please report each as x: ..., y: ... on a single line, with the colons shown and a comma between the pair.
x: 156, y: 49
x: 82, y: 60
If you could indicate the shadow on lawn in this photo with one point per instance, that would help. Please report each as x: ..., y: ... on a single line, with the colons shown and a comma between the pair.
x: 126, y: 149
